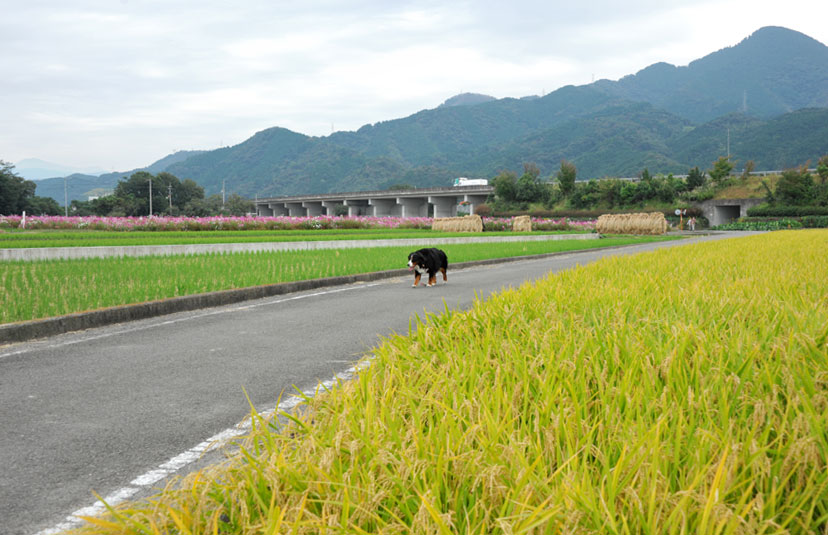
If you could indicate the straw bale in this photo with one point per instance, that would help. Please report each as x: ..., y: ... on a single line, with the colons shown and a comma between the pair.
x: 649, y: 223
x: 469, y: 223
x: 522, y: 223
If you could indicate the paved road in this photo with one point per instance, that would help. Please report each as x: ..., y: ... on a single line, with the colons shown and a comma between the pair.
x: 96, y: 409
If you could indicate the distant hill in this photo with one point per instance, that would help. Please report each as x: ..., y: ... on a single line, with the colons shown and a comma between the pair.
x: 80, y: 186
x: 429, y: 145
x: 770, y: 92
x: 165, y: 162
x: 36, y: 169
x: 620, y: 139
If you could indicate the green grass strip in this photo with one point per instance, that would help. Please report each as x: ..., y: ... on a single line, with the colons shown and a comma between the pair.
x: 96, y: 238
x: 679, y: 391
x: 34, y: 290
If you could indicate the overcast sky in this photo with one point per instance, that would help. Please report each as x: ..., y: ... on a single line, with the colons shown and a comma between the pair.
x: 119, y: 84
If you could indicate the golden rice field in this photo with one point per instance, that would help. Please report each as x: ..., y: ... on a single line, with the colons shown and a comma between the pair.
x: 683, y: 391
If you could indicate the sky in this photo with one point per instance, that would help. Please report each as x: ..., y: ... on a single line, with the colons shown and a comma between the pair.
x: 119, y: 84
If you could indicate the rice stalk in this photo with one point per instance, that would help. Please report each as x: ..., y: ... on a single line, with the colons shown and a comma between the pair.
x: 674, y: 396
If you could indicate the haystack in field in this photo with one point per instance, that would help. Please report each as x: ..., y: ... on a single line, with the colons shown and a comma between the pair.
x: 650, y: 223
x: 522, y: 223
x: 469, y: 223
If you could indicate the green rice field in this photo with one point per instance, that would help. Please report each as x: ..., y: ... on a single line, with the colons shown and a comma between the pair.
x: 34, y: 290
x: 683, y: 391
x: 98, y: 238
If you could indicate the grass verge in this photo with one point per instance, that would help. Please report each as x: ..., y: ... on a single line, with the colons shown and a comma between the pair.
x: 679, y: 391
x: 34, y: 290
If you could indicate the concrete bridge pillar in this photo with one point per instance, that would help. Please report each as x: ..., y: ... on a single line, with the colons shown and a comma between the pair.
x: 331, y: 206
x: 413, y: 206
x: 474, y: 201
x: 384, y: 207
x: 444, y: 206
x: 295, y: 209
x: 278, y: 209
x: 313, y: 208
x: 358, y: 207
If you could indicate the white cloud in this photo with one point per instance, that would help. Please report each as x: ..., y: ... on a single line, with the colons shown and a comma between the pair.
x: 124, y: 83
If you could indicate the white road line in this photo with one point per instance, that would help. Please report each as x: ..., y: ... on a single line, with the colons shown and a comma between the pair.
x: 193, y: 454
x: 189, y: 317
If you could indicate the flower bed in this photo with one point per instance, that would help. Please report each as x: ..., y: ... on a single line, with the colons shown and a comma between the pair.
x: 265, y: 223
x: 212, y: 223
x: 504, y: 224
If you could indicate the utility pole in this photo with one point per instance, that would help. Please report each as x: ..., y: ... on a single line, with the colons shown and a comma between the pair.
x: 169, y: 196
x: 65, y: 199
x: 728, y: 142
x: 222, y: 195
x: 150, y: 196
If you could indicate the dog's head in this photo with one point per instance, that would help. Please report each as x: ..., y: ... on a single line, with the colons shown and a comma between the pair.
x: 415, y: 260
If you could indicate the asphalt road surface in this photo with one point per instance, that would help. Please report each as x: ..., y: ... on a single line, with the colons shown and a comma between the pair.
x: 105, y: 409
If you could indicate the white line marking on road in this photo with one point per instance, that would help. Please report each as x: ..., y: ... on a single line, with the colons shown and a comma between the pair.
x: 95, y: 509
x: 187, y: 318
x: 193, y: 454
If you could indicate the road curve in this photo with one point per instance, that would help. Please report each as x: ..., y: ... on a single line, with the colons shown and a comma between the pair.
x: 101, y: 410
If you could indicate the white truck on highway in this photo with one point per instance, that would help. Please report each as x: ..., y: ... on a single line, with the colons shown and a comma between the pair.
x: 463, y: 181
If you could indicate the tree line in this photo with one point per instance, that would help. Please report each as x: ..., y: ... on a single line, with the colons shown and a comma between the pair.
x: 141, y: 194
x: 796, y: 187
x: 162, y: 194
x: 17, y: 195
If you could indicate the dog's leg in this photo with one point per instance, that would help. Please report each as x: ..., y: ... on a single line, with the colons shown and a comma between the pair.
x: 443, y: 271
x: 432, y: 279
x: 416, y: 279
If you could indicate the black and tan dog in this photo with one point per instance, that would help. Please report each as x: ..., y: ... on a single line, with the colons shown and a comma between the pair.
x: 429, y: 261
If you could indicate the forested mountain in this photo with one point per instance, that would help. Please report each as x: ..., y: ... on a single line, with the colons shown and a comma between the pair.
x: 782, y: 142
x: 769, y: 94
x: 467, y: 99
x: 774, y: 71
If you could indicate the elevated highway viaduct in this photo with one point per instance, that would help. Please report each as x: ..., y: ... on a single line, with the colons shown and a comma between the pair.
x: 419, y: 202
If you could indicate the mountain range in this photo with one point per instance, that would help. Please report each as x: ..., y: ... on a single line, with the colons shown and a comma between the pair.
x: 764, y: 99
x: 36, y: 169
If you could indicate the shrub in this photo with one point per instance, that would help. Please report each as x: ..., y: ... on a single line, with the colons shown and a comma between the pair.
x: 815, y: 221
x: 787, y: 211
x: 795, y: 187
x: 483, y: 210
x: 770, y: 224
x: 496, y: 224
